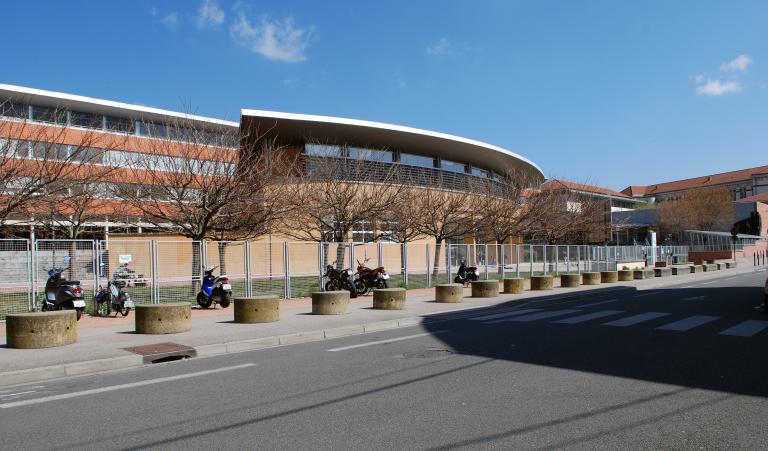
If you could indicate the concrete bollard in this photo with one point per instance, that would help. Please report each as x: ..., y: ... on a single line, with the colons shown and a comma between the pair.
x: 330, y: 302
x: 696, y: 268
x: 646, y: 273
x: 609, y: 276
x: 570, y: 280
x: 485, y: 288
x: 389, y: 299
x: 710, y: 262
x: 662, y: 272
x: 680, y: 270
x: 730, y: 265
x: 41, y: 330
x: 661, y: 264
x: 541, y: 283
x: 721, y: 266
x: 514, y: 285
x: 626, y: 276
x: 590, y: 278
x: 158, y: 319
x: 709, y: 267
x: 257, y: 309
x: 449, y: 293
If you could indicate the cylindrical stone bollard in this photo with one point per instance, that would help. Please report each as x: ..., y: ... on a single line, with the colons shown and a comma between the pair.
x: 485, y: 288
x: 609, y: 276
x: 570, y: 280
x: 626, y: 276
x: 330, y: 302
x: 449, y: 293
x: 41, y: 330
x: 514, y: 285
x: 389, y: 299
x: 158, y: 319
x: 540, y: 283
x: 590, y: 278
x: 257, y: 309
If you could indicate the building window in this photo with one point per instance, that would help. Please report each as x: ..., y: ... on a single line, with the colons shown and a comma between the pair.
x: 120, y: 124
x: 452, y: 166
x: 480, y: 172
x: 417, y: 160
x: 49, y: 115
x: 86, y: 120
x: 359, y: 153
x: 363, y: 232
x: 14, y: 110
x: 322, y: 150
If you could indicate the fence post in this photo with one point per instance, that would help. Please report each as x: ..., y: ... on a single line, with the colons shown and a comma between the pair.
x: 247, y: 259
x: 30, y: 292
x: 517, y: 260
x: 486, y: 260
x: 557, y: 259
x: 578, y: 259
x: 530, y: 257
x: 154, y: 293
x: 429, y: 268
x: 544, y: 257
x: 352, y: 261
x: 320, y: 260
x: 287, y: 266
x: 379, y: 251
x: 503, y: 261
x: 404, y: 257
x: 449, y: 254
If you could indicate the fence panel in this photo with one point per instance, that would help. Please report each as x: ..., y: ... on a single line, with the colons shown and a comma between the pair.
x: 306, y: 268
x: 230, y: 258
x: 179, y: 270
x: 392, y: 259
x: 15, y: 277
x: 267, y: 268
x: 130, y: 262
x: 77, y: 257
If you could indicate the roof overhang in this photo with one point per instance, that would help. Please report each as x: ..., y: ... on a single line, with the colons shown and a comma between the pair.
x: 301, y: 128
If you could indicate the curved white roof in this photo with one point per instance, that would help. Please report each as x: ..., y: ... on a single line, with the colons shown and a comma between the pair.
x: 390, y: 136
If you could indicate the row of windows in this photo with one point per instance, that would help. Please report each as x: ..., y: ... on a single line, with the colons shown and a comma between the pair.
x: 388, y: 156
x: 109, y: 190
x: 115, y: 124
x: 112, y: 158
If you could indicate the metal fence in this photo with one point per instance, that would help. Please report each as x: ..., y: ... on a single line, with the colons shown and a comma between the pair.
x: 156, y: 271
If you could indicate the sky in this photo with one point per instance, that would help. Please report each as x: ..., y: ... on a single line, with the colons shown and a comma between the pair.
x: 605, y: 92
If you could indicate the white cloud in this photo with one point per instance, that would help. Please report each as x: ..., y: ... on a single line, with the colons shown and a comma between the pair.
x: 443, y: 47
x: 209, y: 15
x: 170, y: 20
x: 718, y: 88
x: 738, y: 64
x: 276, y: 40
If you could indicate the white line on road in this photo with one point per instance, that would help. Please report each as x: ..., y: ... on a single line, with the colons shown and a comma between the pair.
x: 533, y: 316
x: 635, y: 319
x: 502, y: 315
x: 689, y: 323
x: 390, y: 340
x: 588, y: 316
x: 746, y: 329
x: 17, y: 393
x: 597, y: 303
x: 95, y: 391
x: 643, y: 295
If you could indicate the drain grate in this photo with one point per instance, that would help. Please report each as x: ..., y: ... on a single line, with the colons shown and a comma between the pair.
x: 163, y: 352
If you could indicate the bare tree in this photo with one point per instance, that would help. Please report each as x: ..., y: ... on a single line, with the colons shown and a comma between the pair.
x: 565, y: 214
x: 698, y: 209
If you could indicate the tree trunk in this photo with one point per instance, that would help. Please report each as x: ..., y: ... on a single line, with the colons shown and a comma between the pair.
x: 196, y: 265
x: 436, y: 265
x: 223, y: 257
x: 340, y: 255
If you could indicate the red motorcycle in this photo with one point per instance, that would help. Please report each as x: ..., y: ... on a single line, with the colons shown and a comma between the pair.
x: 370, y: 278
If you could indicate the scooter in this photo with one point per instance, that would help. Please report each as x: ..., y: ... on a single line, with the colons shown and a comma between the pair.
x: 368, y: 278
x: 466, y: 274
x: 62, y: 294
x: 214, y: 290
x: 113, y: 297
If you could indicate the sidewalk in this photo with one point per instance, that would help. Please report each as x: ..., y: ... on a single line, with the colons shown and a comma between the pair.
x: 101, y: 341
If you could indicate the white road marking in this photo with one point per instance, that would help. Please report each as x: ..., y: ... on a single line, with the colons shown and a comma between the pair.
x: 643, y: 295
x: 597, y: 303
x: 95, y: 391
x: 707, y: 283
x: 502, y: 315
x: 635, y: 319
x: 588, y: 316
x: 694, y: 298
x: 533, y: 316
x: 390, y: 340
x: 746, y: 329
x: 689, y: 323
x: 17, y: 394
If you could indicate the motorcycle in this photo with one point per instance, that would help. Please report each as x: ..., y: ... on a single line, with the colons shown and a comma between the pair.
x: 340, y: 280
x: 62, y: 294
x: 466, y: 274
x: 113, y: 297
x: 214, y: 290
x: 369, y: 278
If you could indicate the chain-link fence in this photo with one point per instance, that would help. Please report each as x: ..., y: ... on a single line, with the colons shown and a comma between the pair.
x: 156, y: 271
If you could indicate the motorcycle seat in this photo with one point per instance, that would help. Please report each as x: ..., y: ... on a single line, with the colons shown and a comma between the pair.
x: 69, y: 282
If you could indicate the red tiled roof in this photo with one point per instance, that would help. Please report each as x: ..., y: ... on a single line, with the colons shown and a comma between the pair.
x: 560, y: 184
x: 762, y: 197
x: 697, y: 182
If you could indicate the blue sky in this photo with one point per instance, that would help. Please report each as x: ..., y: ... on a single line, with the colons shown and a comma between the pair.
x: 613, y: 93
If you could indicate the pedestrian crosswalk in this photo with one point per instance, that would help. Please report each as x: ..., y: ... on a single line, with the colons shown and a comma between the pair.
x: 621, y: 318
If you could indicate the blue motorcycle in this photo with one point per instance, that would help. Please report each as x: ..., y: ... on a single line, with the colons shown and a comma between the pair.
x: 216, y: 290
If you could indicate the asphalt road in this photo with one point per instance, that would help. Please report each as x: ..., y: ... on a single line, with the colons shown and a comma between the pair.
x: 676, y: 368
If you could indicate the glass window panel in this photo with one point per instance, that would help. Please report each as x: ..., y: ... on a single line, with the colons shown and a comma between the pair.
x: 480, y: 172
x: 417, y: 160
x: 153, y: 130
x: 91, y: 155
x: 120, y: 124
x: 86, y: 120
x: 15, y: 110
x: 50, y: 151
x: 359, y: 153
x: 322, y: 150
x: 50, y: 115
x: 452, y: 166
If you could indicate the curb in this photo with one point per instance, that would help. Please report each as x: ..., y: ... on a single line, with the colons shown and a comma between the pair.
x: 34, y: 375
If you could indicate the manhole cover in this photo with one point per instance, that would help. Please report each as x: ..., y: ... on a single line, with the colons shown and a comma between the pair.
x: 429, y: 353
x: 163, y: 352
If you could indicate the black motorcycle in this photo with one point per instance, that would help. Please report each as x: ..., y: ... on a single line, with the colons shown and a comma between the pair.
x: 340, y: 280
x: 113, y: 297
x: 466, y: 274
x: 62, y: 294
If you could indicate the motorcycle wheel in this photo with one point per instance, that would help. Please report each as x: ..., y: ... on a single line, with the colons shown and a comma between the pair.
x: 203, y: 301
x: 351, y: 288
x: 474, y: 277
x: 102, y: 308
x: 226, y: 299
x: 125, y: 311
x: 382, y: 283
x: 79, y: 313
x: 332, y: 285
x: 457, y: 279
x: 361, y: 287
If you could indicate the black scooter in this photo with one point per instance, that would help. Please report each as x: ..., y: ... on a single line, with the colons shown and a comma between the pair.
x: 113, y: 297
x: 466, y: 274
x: 62, y: 294
x: 340, y: 280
